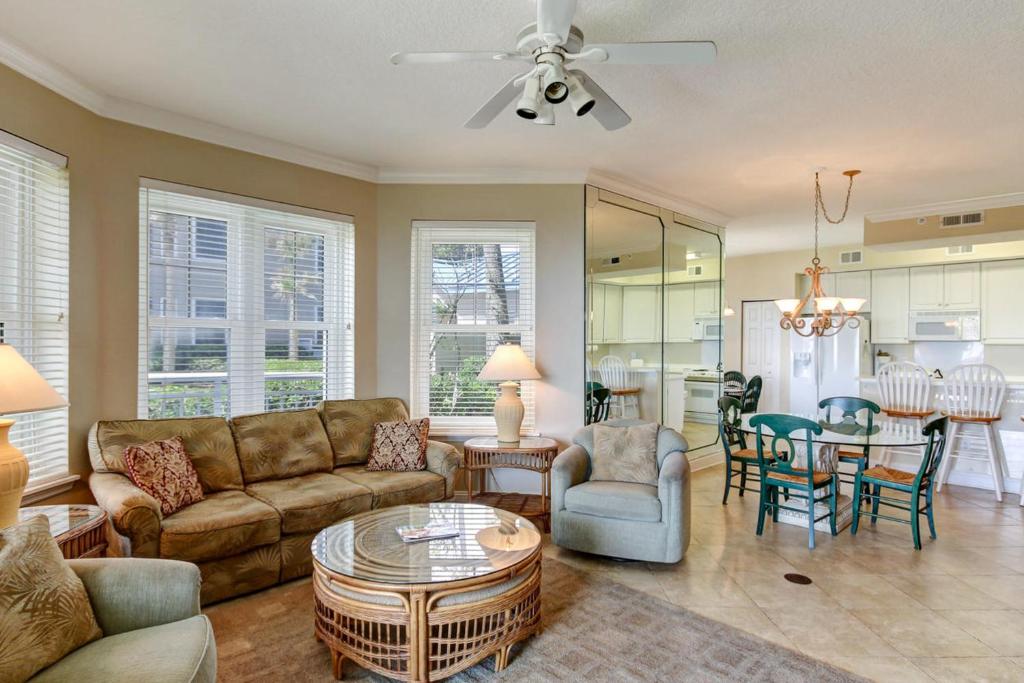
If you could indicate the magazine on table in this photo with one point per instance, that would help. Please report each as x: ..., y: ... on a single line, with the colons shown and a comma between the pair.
x: 430, y: 532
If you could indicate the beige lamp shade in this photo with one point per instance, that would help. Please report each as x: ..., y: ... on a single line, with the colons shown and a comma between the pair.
x: 22, y: 389
x: 508, y: 363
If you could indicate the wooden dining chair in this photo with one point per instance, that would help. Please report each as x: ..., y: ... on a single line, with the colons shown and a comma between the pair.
x: 779, y: 472
x: 623, y: 384
x: 598, y: 400
x: 917, y: 483
x: 752, y: 394
x: 849, y: 408
x: 906, y: 392
x: 734, y: 445
x: 734, y: 383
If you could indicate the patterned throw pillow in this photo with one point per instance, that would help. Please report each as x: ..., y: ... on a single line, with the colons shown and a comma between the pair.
x: 163, y: 470
x: 399, y: 446
x: 628, y: 454
x: 45, y: 611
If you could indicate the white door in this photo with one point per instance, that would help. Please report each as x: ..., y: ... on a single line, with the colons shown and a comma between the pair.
x: 640, y: 314
x: 927, y: 288
x: 890, y: 316
x: 762, y: 350
x: 961, y: 285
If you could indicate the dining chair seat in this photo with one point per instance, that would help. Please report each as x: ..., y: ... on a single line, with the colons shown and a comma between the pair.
x: 800, y: 477
x: 883, y: 473
x: 975, y: 419
x: 910, y: 414
x: 625, y: 392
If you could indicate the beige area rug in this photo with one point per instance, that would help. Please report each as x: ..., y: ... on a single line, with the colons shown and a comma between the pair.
x: 593, y: 631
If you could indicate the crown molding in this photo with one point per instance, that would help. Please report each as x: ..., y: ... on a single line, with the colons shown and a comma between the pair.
x: 999, y: 201
x: 651, y: 195
x: 482, y: 176
x: 50, y: 76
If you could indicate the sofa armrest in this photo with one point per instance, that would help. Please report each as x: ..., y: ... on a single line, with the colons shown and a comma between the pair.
x: 132, y: 593
x: 134, y: 513
x: 444, y: 459
x: 571, y: 467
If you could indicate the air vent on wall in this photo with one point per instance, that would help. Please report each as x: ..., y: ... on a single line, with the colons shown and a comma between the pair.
x: 958, y: 220
x: 850, y: 257
x: 694, y: 271
x: 960, y: 249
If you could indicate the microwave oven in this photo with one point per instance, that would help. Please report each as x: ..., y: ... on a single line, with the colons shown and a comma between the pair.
x: 707, y: 329
x: 945, y: 326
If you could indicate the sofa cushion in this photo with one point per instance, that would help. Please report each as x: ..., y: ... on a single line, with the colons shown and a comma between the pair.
x: 163, y: 470
x: 208, y: 442
x: 312, y: 501
x: 45, y: 611
x: 179, y: 651
x: 225, y: 523
x: 396, y: 488
x: 399, y: 446
x: 616, y: 499
x: 281, y: 444
x: 350, y: 425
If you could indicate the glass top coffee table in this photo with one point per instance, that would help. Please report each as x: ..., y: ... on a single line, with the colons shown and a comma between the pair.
x: 426, y: 610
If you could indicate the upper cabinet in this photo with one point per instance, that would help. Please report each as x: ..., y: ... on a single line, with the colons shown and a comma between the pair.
x: 641, y: 319
x: 1001, y: 320
x: 854, y: 284
x: 707, y: 299
x: 890, y: 289
x: 597, y: 305
x: 956, y: 286
x: 612, y: 313
x: 679, y: 313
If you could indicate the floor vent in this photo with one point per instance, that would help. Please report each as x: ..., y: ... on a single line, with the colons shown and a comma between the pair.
x: 959, y: 220
x: 798, y: 578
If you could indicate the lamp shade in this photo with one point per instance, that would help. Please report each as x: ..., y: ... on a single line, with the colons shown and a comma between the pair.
x: 508, y: 363
x: 22, y: 390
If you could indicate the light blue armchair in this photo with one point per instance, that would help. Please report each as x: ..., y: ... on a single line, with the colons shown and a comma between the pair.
x: 620, y: 519
x: 152, y: 628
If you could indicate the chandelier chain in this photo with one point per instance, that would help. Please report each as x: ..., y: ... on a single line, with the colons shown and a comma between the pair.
x: 819, y: 203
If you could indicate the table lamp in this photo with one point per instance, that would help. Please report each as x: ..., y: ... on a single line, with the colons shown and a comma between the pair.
x: 508, y: 365
x: 22, y: 390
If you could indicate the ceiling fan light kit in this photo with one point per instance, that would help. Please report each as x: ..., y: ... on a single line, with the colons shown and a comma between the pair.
x: 552, y: 44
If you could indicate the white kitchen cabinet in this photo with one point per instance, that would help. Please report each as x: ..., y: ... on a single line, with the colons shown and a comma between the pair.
x: 853, y: 284
x: 612, y: 313
x: 890, y: 314
x: 707, y: 299
x: 1001, y: 319
x: 955, y: 286
x: 640, y: 314
x: 597, y: 305
x: 679, y: 313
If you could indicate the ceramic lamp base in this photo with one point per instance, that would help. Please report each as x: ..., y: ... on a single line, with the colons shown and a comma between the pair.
x: 508, y: 413
x: 13, y: 476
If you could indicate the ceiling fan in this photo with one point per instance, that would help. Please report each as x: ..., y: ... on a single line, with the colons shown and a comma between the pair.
x: 553, y: 45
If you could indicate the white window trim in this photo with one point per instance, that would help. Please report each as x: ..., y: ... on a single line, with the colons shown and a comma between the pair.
x: 421, y: 274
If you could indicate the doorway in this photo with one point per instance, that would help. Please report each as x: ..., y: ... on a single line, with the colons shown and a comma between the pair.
x: 762, y: 351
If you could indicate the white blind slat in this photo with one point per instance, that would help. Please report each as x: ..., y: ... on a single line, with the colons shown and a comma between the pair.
x: 472, y: 289
x: 243, y: 308
x: 34, y: 291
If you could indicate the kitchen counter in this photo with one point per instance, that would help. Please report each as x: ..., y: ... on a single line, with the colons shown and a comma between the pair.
x: 1011, y: 381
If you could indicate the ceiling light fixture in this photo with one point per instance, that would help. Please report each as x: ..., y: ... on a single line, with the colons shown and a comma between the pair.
x: 529, y: 104
x: 831, y: 313
x: 580, y: 98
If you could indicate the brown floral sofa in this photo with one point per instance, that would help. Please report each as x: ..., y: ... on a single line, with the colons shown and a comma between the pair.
x: 270, y: 482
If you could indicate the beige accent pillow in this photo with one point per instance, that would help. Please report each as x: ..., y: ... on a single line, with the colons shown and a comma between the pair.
x: 628, y: 454
x: 45, y: 611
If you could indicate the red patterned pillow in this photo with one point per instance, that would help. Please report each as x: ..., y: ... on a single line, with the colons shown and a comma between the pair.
x: 399, y: 446
x: 163, y: 470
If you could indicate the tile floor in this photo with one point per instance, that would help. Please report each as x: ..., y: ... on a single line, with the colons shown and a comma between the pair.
x: 953, y: 611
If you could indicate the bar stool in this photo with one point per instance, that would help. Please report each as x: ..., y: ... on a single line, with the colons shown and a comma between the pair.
x: 623, y: 385
x: 974, y: 396
x: 906, y: 392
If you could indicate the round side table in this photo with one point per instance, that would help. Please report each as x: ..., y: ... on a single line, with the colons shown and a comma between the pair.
x: 80, y: 530
x: 534, y: 453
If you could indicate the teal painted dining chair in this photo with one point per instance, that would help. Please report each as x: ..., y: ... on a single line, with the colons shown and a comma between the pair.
x: 849, y: 409
x: 740, y: 461
x: 916, y: 484
x: 779, y: 472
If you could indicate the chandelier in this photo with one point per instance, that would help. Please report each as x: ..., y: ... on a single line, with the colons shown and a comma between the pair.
x: 831, y: 313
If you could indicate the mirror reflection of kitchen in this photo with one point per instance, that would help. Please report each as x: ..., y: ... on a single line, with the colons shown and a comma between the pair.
x: 654, y: 318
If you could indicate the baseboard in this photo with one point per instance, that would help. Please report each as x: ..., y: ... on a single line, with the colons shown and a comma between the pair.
x: 703, y: 458
x: 980, y: 480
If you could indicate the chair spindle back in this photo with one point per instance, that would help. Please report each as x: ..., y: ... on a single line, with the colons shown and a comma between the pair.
x: 975, y: 391
x: 905, y: 388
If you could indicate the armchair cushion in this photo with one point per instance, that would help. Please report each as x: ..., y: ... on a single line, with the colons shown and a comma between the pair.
x: 669, y: 440
x: 615, y: 499
x: 224, y: 524
x: 312, y: 501
x: 625, y: 453
x: 44, y: 608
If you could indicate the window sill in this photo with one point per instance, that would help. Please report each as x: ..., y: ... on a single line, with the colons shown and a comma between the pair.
x: 460, y: 437
x: 42, y: 491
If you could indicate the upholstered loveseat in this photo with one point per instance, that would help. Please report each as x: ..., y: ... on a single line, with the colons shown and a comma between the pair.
x: 270, y: 481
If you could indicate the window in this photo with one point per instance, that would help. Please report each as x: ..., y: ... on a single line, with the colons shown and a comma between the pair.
x: 34, y: 292
x: 246, y: 306
x: 472, y: 289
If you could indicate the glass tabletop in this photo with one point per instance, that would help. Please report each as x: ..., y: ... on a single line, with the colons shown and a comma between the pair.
x: 884, y: 432
x: 63, y: 518
x: 368, y: 547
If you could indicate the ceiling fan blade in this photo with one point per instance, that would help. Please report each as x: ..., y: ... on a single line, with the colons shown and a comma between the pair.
x: 606, y: 111
x: 554, y: 17
x: 495, y: 105
x: 669, y: 52
x: 449, y: 57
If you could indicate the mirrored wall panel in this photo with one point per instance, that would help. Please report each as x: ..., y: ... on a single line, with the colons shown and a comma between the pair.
x: 654, y: 316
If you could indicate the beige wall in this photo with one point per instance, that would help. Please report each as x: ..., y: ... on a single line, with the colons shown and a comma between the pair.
x: 106, y: 159
x: 558, y: 213
x: 1006, y: 223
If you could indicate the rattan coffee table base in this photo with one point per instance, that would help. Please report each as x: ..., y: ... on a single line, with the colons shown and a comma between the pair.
x: 426, y: 632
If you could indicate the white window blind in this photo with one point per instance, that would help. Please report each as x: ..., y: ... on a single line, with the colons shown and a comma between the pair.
x: 472, y: 289
x: 245, y: 306
x: 34, y: 292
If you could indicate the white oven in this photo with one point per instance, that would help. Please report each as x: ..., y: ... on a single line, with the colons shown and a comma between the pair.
x: 707, y: 329
x: 945, y: 326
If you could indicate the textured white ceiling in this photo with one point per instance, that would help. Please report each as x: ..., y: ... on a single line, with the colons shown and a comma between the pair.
x: 926, y: 96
